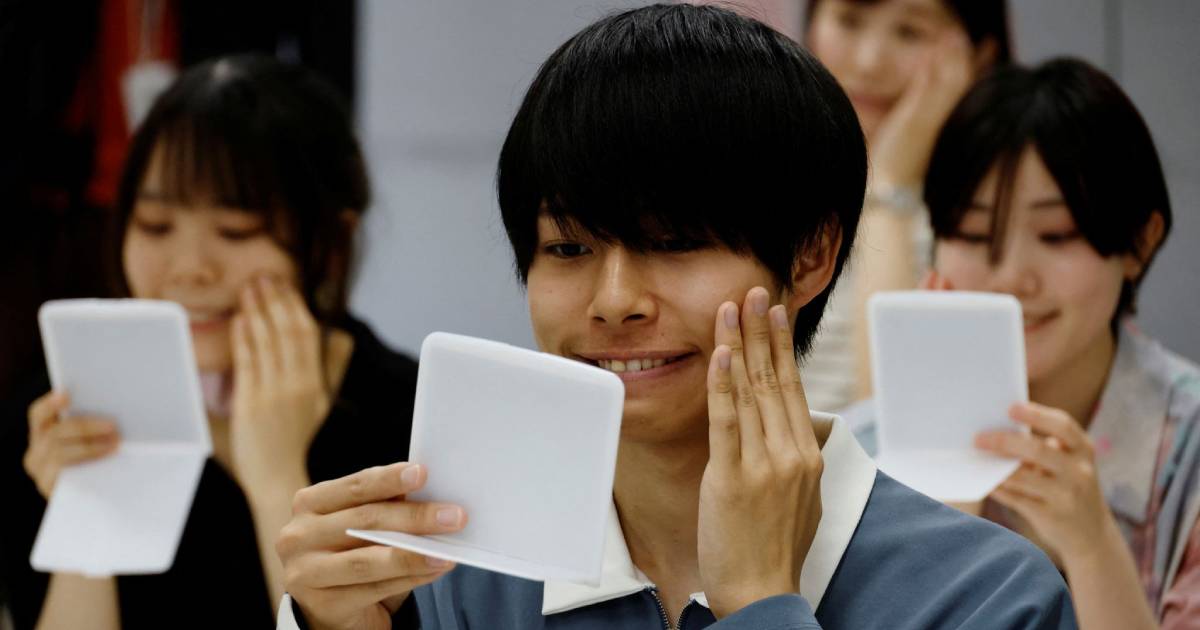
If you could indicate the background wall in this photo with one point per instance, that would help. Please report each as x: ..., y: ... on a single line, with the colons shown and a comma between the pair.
x: 440, y: 81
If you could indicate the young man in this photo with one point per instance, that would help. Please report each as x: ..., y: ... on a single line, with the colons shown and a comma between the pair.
x: 680, y: 187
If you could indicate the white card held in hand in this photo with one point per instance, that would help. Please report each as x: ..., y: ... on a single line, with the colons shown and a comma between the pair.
x: 946, y: 365
x: 130, y: 361
x: 526, y: 443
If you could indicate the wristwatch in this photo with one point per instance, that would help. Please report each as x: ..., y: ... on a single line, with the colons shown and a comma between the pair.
x: 902, y: 201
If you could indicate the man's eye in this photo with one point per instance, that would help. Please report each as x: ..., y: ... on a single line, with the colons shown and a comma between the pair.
x: 567, y: 250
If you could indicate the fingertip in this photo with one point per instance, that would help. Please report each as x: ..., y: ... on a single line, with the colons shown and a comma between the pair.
x: 412, y: 476
x: 730, y: 311
x: 779, y: 318
x: 724, y: 356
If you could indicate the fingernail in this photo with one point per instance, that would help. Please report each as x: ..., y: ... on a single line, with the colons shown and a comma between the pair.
x: 983, y: 441
x: 448, y: 516
x: 758, y: 301
x: 436, y: 562
x: 411, y: 475
x: 731, y: 317
x: 723, y: 357
x: 779, y: 317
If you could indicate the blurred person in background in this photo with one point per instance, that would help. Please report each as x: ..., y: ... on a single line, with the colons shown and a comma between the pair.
x: 904, y: 64
x: 239, y: 200
x: 1045, y: 184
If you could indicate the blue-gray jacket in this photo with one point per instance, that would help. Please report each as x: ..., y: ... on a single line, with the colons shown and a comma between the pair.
x: 884, y: 557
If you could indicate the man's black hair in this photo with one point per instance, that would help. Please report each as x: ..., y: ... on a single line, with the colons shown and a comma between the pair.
x: 1092, y: 139
x: 688, y: 124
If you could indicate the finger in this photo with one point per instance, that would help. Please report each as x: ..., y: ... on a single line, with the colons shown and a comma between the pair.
x: 409, y: 517
x: 379, y: 483
x: 1029, y: 482
x: 791, y: 387
x: 45, y: 410
x: 85, y: 450
x: 1012, y: 499
x: 928, y: 281
x: 365, y: 565
x: 291, y: 330
x: 750, y: 434
x: 308, y: 333
x: 1030, y: 449
x: 359, y: 596
x: 82, y: 428
x: 244, y: 371
x: 1051, y: 422
x: 723, y: 443
x: 262, y: 338
x: 760, y: 367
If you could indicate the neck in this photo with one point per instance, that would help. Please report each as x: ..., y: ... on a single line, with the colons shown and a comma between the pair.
x: 1076, y: 387
x: 657, y: 492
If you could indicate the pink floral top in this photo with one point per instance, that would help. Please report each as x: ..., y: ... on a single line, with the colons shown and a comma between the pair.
x: 1146, y: 432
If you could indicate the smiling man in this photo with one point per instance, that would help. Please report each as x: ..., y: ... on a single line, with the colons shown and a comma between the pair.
x: 680, y: 188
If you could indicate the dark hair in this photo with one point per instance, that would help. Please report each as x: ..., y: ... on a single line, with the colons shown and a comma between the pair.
x: 982, y: 19
x: 1090, y: 136
x: 253, y: 133
x: 693, y: 123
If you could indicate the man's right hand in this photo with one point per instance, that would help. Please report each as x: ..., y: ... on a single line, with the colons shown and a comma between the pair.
x: 344, y: 583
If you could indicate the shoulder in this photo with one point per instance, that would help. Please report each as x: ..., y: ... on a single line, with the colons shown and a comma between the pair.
x: 938, y: 567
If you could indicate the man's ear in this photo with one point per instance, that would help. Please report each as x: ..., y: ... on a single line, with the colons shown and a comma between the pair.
x: 813, y: 269
x: 1147, y: 244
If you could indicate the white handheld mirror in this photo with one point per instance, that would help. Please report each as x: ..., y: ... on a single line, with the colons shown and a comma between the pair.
x: 526, y: 442
x: 131, y: 361
x: 946, y: 365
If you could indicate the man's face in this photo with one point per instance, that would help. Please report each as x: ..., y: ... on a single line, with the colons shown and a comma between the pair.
x: 648, y: 317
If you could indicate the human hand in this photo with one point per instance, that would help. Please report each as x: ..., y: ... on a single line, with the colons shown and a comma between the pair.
x: 901, y: 147
x: 344, y: 583
x: 760, y: 496
x: 55, y: 444
x: 280, y: 399
x: 1056, y: 490
x: 933, y: 281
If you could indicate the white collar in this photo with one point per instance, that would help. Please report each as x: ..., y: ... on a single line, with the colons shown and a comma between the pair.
x: 846, y: 483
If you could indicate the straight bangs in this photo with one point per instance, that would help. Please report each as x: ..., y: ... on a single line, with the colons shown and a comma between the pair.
x: 650, y: 128
x: 256, y: 135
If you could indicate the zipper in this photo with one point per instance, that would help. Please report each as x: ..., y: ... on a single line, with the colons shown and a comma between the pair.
x: 662, y: 610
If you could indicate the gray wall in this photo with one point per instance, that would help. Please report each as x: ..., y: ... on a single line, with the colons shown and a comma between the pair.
x: 441, y: 80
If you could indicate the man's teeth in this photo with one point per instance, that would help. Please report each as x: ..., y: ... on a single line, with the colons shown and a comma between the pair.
x: 632, y: 365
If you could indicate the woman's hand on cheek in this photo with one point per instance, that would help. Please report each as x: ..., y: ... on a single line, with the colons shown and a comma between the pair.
x: 902, y: 145
x: 760, y: 497
x: 279, y: 395
x: 1056, y: 490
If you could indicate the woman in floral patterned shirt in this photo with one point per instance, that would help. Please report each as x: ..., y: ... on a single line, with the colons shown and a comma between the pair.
x: 1045, y: 184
